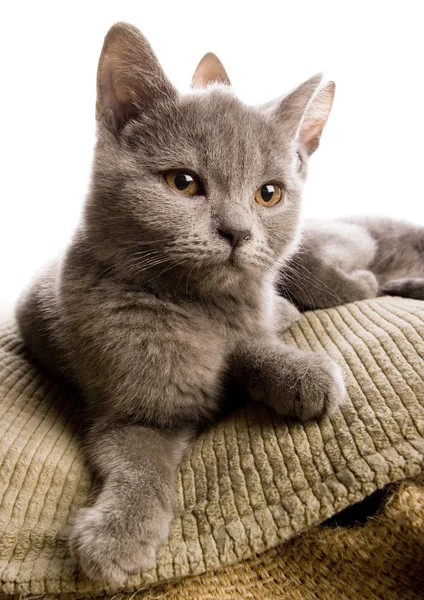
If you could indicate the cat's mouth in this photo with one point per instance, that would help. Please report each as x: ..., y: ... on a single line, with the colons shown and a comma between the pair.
x: 236, y: 258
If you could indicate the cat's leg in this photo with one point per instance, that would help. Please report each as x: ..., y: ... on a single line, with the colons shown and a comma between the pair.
x: 339, y: 287
x: 287, y: 314
x: 295, y: 383
x: 408, y: 287
x: 120, y: 533
x: 328, y: 286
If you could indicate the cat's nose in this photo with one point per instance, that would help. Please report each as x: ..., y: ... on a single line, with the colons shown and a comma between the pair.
x: 234, y: 236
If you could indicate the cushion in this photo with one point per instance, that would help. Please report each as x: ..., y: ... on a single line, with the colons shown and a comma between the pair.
x: 248, y: 484
x: 382, y: 558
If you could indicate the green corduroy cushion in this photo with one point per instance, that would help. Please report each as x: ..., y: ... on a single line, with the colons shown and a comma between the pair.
x: 248, y: 484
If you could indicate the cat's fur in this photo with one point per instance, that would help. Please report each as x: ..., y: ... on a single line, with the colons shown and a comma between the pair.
x: 151, y: 307
x: 351, y: 259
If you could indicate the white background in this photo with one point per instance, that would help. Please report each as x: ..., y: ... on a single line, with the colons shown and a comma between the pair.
x: 371, y: 156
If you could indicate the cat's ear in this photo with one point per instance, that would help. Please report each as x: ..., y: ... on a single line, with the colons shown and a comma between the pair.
x: 305, y: 110
x: 129, y: 77
x: 209, y: 70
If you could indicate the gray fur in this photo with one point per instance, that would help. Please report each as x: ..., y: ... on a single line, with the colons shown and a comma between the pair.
x: 151, y: 309
x: 353, y: 259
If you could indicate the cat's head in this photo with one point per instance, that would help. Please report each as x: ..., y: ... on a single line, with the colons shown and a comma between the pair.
x: 195, y: 184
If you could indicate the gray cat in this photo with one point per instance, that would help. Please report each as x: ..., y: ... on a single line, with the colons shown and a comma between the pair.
x: 168, y: 286
x: 353, y: 259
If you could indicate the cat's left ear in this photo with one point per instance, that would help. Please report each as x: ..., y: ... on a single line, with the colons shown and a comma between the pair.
x: 305, y: 111
x: 209, y: 70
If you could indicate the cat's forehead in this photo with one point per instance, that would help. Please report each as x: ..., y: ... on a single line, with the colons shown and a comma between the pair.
x: 218, y: 113
x: 215, y: 134
x: 238, y: 141
x: 229, y: 138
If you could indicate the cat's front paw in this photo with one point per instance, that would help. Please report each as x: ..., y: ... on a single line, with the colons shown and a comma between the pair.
x: 111, y: 542
x: 306, y: 386
x: 319, y: 388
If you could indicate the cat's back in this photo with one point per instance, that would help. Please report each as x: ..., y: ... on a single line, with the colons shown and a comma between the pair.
x: 400, y: 247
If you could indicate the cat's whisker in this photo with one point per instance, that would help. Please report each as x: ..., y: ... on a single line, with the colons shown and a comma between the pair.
x: 145, y: 260
x: 146, y: 242
x: 146, y: 252
x: 323, y: 284
x: 146, y: 267
x: 297, y: 284
x: 313, y: 278
x: 174, y: 265
x: 144, y: 263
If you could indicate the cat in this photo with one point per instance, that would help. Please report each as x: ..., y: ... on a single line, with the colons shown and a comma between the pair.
x: 168, y: 286
x: 356, y: 258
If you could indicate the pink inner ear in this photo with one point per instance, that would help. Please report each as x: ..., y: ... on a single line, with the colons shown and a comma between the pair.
x: 310, y: 136
x: 209, y: 70
x: 316, y: 118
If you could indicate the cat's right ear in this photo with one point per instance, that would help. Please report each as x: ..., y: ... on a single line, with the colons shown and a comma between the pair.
x: 129, y: 77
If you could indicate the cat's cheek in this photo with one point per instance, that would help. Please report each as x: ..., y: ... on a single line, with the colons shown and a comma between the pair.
x: 282, y: 236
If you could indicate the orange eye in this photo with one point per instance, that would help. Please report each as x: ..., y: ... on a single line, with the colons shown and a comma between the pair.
x: 183, y: 183
x: 268, y: 195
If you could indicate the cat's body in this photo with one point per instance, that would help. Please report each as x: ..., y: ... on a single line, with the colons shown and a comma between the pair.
x: 355, y: 258
x: 196, y: 336
x: 168, y: 286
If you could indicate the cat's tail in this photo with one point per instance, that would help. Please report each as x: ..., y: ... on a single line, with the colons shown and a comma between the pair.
x: 408, y: 287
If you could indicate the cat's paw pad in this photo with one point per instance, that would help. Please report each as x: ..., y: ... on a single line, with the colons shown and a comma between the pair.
x: 320, y: 388
x: 108, y: 550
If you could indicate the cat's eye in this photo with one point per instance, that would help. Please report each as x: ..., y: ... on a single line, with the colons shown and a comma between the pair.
x: 184, y: 183
x: 268, y: 195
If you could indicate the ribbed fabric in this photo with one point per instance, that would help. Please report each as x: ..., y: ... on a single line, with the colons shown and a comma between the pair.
x: 381, y: 560
x: 250, y: 483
